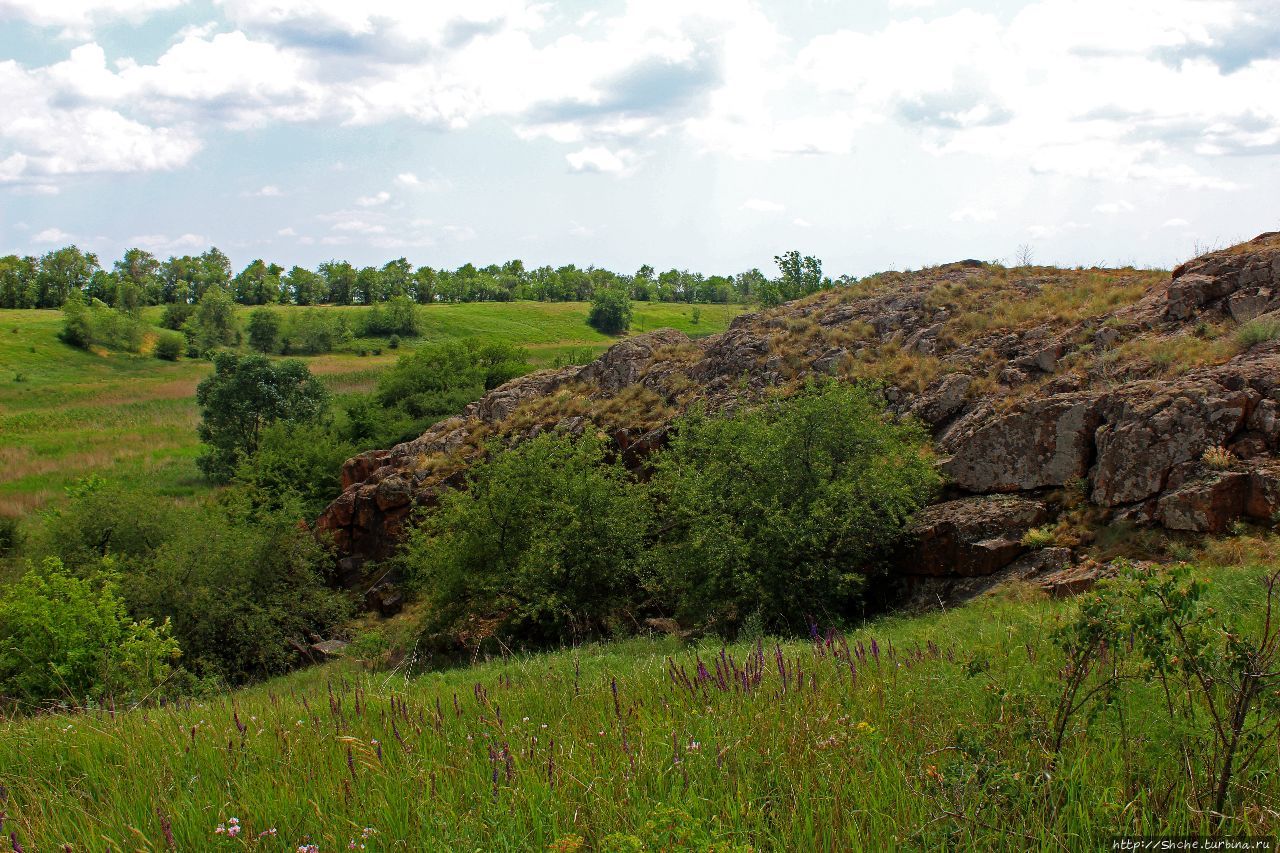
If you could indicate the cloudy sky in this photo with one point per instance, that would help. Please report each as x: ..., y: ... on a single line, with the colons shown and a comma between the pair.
x: 708, y: 134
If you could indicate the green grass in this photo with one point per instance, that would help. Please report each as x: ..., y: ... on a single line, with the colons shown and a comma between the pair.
x: 66, y: 413
x: 933, y: 746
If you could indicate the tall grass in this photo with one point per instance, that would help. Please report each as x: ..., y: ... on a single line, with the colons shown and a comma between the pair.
x: 922, y: 733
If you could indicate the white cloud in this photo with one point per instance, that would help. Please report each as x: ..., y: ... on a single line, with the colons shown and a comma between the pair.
x: 801, y: 223
x: 1112, y: 208
x: 1175, y: 223
x: 163, y: 244
x: 408, y: 179
x: 601, y: 159
x: 51, y: 235
x: 375, y: 200
x: 973, y: 214
x: 763, y: 205
x: 268, y: 191
x: 78, y: 17
x: 286, y: 232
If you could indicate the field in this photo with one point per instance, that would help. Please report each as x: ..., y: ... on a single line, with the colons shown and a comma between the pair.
x: 926, y: 734
x: 66, y: 413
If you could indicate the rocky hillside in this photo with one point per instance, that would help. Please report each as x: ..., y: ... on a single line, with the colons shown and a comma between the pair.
x: 1063, y: 400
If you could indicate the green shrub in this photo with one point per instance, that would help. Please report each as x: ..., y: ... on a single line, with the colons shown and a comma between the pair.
x: 786, y: 508
x: 10, y: 534
x: 264, y: 330
x: 434, y: 381
x: 245, y: 395
x: 102, y: 519
x: 176, y: 315
x: 170, y: 346
x: 296, y: 465
x: 393, y: 342
x: 96, y: 323
x: 1258, y: 331
x: 70, y: 639
x: 610, y: 311
x: 240, y: 587
x: 213, y: 324
x: 398, y: 316
x: 1039, y: 537
x: 544, y: 545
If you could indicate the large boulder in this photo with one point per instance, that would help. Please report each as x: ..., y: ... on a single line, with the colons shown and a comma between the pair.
x: 1045, y: 442
x: 971, y: 536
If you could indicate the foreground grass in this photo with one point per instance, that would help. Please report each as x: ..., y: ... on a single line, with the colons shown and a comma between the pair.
x: 66, y: 413
x: 928, y: 736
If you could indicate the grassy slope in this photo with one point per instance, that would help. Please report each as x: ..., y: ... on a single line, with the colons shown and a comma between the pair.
x: 840, y: 763
x: 134, y: 417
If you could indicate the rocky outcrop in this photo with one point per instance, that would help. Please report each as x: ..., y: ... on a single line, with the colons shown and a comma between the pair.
x: 971, y: 536
x: 1117, y: 405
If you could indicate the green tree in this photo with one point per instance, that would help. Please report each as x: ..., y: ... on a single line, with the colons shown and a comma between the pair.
x: 784, y: 509
x: 245, y: 395
x: 610, y: 311
x: 70, y: 639
x: 438, y: 380
x: 214, y: 323
x: 63, y: 272
x: 547, y: 539
x: 264, y: 330
x: 800, y: 275
x: 297, y: 465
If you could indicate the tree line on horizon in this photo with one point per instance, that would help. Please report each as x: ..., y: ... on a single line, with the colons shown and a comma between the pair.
x: 139, y: 278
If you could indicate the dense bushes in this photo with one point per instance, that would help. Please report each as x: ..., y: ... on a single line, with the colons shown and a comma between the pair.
x: 169, y: 346
x: 545, y: 544
x: 778, y: 512
x: 610, y: 311
x: 236, y: 577
x: 244, y: 396
x: 78, y: 630
x: 96, y: 324
x: 784, y: 509
x: 398, y: 316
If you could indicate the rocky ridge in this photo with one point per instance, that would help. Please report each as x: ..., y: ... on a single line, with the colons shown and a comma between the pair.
x: 1056, y: 397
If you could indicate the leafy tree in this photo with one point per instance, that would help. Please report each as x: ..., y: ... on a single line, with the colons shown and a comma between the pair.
x: 610, y: 311
x: 784, y: 509
x: 546, y: 541
x: 297, y: 465
x: 304, y: 287
x: 264, y: 330
x: 138, y: 280
x: 800, y: 276
x: 258, y: 284
x: 397, y: 316
x: 70, y: 639
x: 63, y: 272
x: 245, y: 395
x: 439, y: 380
x: 214, y: 322
x: 176, y: 315
x: 340, y: 280
x: 169, y: 347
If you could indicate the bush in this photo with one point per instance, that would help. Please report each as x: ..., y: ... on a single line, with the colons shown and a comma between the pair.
x: 543, y: 546
x: 95, y: 323
x: 213, y: 324
x: 434, y: 381
x: 70, y: 639
x: 610, y: 311
x: 170, y: 346
x: 243, y: 397
x: 176, y: 315
x: 264, y: 330
x: 315, y: 331
x: 1258, y: 331
x: 399, y: 316
x: 240, y: 587
x: 393, y: 342
x: 296, y: 465
x: 1039, y: 537
x: 786, y: 508
x: 102, y: 519
x: 10, y: 534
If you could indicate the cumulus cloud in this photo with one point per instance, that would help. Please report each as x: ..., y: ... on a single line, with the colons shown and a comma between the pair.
x: 163, y: 244
x: 375, y: 200
x: 762, y: 205
x: 1112, y: 208
x: 973, y: 214
x: 50, y: 235
x: 268, y: 191
x: 600, y: 159
x: 77, y: 18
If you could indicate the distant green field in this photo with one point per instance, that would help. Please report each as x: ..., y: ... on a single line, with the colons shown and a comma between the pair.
x: 66, y: 413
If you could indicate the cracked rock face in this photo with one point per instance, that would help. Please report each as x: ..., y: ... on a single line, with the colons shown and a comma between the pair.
x: 1017, y: 411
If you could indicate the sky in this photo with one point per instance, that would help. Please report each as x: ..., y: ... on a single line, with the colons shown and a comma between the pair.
x: 700, y: 134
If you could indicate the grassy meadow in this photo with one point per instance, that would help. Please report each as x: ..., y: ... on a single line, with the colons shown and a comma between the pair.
x: 912, y: 733
x: 66, y: 413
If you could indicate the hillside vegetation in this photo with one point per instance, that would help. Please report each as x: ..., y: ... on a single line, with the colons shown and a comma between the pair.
x: 67, y: 412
